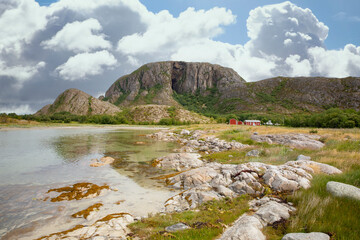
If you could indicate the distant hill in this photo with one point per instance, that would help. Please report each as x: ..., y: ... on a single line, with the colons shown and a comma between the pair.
x: 208, y: 88
x: 80, y: 103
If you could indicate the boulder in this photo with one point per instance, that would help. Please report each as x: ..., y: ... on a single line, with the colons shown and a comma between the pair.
x: 245, y: 228
x: 343, y: 190
x: 302, y: 157
x: 314, y: 166
x: 301, y: 141
x: 179, y: 161
x: 185, y: 132
x: 177, y: 227
x: 253, y: 153
x: 306, y: 236
x: 193, y: 178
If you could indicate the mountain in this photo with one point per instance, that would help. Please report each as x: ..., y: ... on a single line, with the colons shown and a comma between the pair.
x: 209, y: 88
x: 155, y: 83
x: 79, y: 103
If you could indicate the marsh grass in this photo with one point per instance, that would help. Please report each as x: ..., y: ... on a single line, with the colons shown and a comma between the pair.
x: 206, y: 222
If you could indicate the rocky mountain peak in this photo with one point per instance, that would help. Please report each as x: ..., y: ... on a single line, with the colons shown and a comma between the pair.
x: 156, y: 82
x: 79, y: 103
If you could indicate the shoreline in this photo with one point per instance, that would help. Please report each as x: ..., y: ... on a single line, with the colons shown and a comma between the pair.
x: 131, y: 127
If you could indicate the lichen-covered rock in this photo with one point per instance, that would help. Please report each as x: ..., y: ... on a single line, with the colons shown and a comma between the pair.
x: 300, y: 141
x: 306, y: 236
x: 343, y: 190
x: 177, y: 227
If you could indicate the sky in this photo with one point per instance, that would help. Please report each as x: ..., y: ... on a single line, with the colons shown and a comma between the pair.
x: 48, y: 46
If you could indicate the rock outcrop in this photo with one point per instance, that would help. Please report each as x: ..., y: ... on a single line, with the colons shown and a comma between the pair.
x: 300, y: 141
x: 79, y: 103
x: 215, y: 181
x: 267, y: 212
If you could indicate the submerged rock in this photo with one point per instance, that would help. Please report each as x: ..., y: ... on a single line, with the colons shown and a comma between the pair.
x: 343, y: 190
x: 306, y: 236
x: 102, y: 162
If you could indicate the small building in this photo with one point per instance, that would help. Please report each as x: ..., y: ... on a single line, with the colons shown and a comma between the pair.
x: 269, y: 123
x: 252, y: 122
x: 233, y: 122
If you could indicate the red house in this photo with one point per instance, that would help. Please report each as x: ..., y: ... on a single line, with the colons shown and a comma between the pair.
x: 233, y: 122
x: 252, y: 122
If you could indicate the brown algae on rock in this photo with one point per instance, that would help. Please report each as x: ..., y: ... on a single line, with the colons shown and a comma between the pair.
x: 63, y: 233
x: 86, y: 212
x: 78, y: 191
x: 111, y: 216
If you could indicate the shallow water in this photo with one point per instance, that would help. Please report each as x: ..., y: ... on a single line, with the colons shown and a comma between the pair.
x: 32, y: 161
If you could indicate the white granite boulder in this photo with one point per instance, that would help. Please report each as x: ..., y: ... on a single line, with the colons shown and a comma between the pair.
x: 306, y: 236
x: 343, y: 190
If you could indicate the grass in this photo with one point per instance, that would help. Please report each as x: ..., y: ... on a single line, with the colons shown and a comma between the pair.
x: 206, y: 222
x: 319, y: 211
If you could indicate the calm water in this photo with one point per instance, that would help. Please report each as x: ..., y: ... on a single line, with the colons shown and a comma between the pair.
x: 32, y: 161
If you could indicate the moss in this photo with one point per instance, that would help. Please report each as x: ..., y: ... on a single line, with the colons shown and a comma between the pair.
x: 57, y: 104
x: 206, y: 222
x: 77, y: 191
x: 89, y: 108
x: 152, y: 93
x: 122, y: 98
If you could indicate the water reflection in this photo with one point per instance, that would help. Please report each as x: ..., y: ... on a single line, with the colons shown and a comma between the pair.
x: 37, y: 160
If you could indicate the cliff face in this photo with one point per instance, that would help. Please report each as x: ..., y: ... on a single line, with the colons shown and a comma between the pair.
x: 156, y: 83
x: 79, y: 103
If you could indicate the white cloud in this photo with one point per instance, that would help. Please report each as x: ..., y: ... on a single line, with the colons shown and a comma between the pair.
x: 83, y: 65
x: 166, y: 34
x: 19, y: 23
x: 336, y: 63
x: 298, y: 68
x: 20, y: 110
x: 284, y: 39
x: 78, y: 37
x: 21, y: 73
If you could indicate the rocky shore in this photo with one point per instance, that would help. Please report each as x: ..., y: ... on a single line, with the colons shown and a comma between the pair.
x: 202, y: 181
